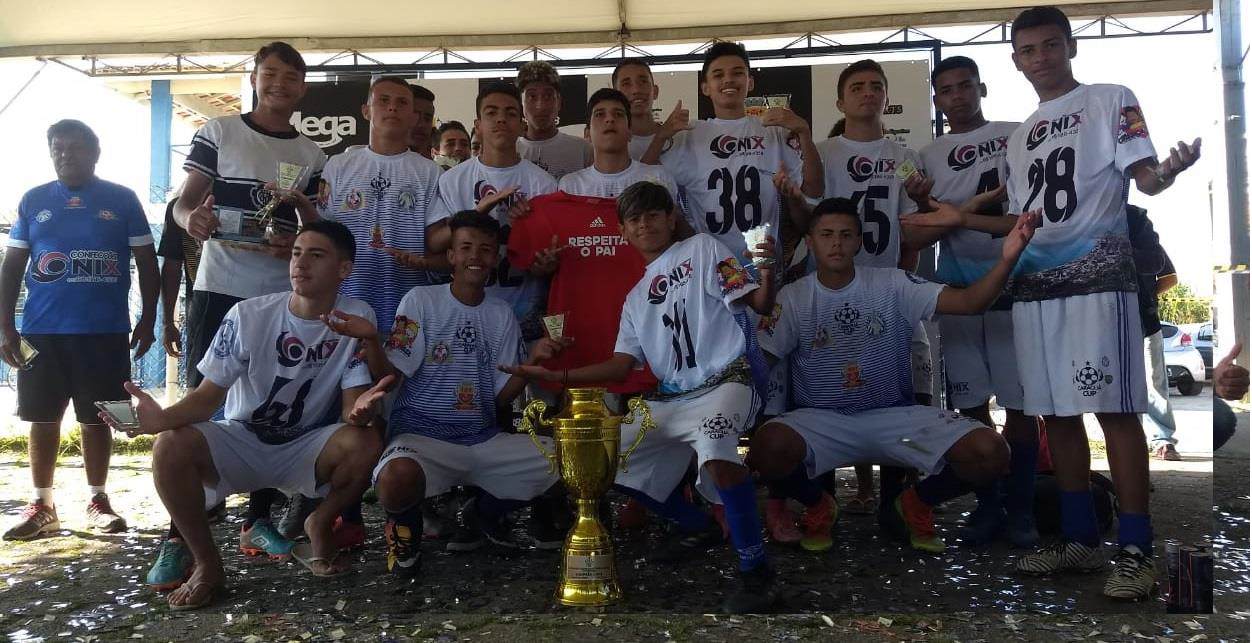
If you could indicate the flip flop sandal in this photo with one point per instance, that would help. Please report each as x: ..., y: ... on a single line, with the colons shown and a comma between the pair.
x: 861, y: 506
x: 317, y: 565
x: 215, y: 592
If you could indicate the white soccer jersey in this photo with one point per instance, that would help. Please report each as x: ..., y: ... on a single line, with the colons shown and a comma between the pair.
x: 964, y: 165
x: 592, y: 182
x: 461, y: 188
x: 384, y: 201
x: 726, y: 168
x: 240, y: 158
x: 866, y: 174
x: 681, y: 316
x: 283, y: 374
x: 849, y: 349
x: 449, y: 352
x: 559, y: 155
x: 1070, y: 159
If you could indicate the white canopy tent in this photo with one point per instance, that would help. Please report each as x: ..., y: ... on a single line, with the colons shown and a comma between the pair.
x: 130, y: 27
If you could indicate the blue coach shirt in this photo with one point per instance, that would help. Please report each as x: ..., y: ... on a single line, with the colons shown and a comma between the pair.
x: 79, y: 241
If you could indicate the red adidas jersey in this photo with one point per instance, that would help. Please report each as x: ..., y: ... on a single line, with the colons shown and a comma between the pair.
x: 597, y: 269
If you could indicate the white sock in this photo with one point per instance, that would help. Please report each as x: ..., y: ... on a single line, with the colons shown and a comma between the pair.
x: 95, y: 489
x: 44, y: 495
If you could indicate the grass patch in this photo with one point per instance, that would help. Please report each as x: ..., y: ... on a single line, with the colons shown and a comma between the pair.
x: 72, y: 443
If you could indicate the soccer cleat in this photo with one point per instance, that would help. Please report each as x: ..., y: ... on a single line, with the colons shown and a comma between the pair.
x: 680, y: 545
x: 101, y: 517
x: 1062, y: 557
x: 818, y: 521
x: 919, y: 520
x: 37, y: 519
x: 1019, y: 528
x: 348, y: 536
x: 404, y: 554
x: 756, y: 593
x: 1133, y: 577
x: 545, y: 534
x: 263, y: 539
x: 632, y: 515
x: 983, y: 526
x: 781, y: 523
x: 291, y: 525
x: 172, y: 566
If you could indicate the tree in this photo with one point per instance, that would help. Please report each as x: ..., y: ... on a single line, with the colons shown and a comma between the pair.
x: 1182, y: 306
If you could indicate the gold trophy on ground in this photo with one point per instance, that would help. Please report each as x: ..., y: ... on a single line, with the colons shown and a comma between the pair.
x: 588, y: 438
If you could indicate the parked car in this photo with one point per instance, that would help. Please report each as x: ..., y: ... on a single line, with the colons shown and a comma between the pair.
x: 1204, y: 343
x: 1182, y: 361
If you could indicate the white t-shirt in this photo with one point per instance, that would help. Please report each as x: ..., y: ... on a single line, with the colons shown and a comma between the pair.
x: 592, y: 182
x: 964, y: 165
x: 681, y: 316
x: 865, y: 172
x: 726, y: 168
x: 849, y: 349
x: 461, y: 188
x: 558, y: 155
x: 283, y: 374
x: 384, y: 201
x: 448, y: 353
x: 1070, y: 159
x: 639, y: 144
x: 241, y: 158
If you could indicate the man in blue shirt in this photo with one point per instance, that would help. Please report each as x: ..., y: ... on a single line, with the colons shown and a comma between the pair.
x: 77, y: 235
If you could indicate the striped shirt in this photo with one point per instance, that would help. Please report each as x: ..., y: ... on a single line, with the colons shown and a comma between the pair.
x: 849, y: 348
x: 384, y: 201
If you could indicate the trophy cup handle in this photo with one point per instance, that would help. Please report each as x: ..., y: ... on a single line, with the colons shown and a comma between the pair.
x: 536, y: 409
x: 637, y: 405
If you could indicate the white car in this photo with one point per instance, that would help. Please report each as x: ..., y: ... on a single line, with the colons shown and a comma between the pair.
x: 1182, y: 361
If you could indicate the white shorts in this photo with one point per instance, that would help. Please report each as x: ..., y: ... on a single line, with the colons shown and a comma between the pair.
x: 915, y: 436
x: 923, y: 363
x: 707, y: 422
x: 776, y: 392
x: 244, y: 463
x: 507, y: 466
x: 1081, y: 354
x: 980, y: 359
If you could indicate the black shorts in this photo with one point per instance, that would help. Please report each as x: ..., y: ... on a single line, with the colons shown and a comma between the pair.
x: 204, y: 315
x: 83, y: 368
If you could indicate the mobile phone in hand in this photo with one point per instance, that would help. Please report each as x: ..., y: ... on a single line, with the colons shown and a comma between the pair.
x: 122, y: 412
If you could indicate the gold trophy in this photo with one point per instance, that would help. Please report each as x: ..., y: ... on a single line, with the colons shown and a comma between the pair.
x: 587, y: 439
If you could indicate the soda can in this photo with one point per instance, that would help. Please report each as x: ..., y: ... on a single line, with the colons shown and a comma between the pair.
x: 1202, y: 573
x: 1171, y: 575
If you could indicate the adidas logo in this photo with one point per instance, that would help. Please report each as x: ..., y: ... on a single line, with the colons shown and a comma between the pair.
x: 598, y: 223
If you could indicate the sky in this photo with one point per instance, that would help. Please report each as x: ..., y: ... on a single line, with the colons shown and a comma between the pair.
x: 1175, y: 78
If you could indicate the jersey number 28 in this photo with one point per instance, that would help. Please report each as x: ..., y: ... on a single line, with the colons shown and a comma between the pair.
x: 1054, y: 178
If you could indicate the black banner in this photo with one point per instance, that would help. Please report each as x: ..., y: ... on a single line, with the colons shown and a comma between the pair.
x: 773, y: 84
x: 330, y: 114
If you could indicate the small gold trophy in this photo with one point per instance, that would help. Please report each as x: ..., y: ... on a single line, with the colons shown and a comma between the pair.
x: 587, y: 440
x: 258, y: 228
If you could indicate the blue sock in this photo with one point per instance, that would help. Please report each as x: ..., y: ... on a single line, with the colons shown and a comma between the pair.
x: 676, y: 508
x: 1078, y: 518
x: 1135, y: 529
x: 941, y: 487
x: 797, y: 485
x: 1019, y: 484
x: 745, y: 524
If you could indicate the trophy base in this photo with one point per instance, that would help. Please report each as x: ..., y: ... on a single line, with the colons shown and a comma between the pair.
x: 588, y: 574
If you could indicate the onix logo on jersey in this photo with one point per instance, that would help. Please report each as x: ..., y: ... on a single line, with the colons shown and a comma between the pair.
x: 659, y: 289
x: 292, y: 351
x: 483, y: 189
x: 81, y: 266
x: 1055, y: 128
x: 862, y: 168
x: 965, y: 155
x: 725, y: 146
